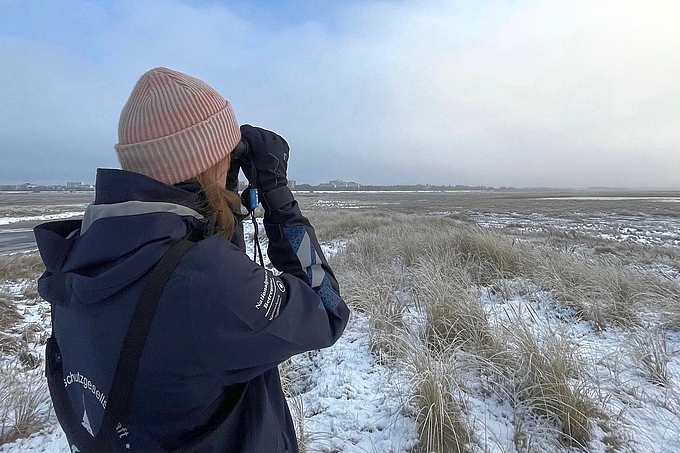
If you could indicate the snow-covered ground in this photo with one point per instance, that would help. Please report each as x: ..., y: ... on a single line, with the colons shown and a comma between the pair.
x: 645, y: 415
x: 629, y: 220
x: 45, y: 217
x: 644, y: 230
x: 353, y: 404
x: 350, y: 403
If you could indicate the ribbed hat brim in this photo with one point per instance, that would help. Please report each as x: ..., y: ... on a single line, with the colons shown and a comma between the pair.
x: 184, y: 154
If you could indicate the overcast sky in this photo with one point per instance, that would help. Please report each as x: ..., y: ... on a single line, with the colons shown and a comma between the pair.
x: 522, y: 93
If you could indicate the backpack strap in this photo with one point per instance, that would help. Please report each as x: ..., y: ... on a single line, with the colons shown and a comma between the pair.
x: 119, y: 403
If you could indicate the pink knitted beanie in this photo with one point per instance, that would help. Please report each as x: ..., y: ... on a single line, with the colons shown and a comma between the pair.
x: 174, y: 127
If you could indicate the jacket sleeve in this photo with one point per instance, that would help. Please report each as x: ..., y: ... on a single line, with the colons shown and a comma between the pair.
x: 247, y: 320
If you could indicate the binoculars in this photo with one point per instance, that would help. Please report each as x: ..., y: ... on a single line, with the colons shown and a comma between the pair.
x: 241, y: 153
x: 239, y: 156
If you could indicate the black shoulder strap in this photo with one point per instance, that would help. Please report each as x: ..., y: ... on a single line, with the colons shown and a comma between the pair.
x: 120, y: 397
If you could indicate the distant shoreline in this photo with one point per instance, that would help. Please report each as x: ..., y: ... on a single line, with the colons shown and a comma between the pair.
x: 523, y: 193
x: 25, y: 192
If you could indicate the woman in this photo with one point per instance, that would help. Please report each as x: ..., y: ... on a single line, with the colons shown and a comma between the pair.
x: 207, y: 377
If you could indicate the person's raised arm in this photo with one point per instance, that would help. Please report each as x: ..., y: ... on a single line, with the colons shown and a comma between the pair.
x: 275, y: 316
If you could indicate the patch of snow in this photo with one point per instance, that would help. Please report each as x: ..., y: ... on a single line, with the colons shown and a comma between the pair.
x: 15, y: 230
x: 586, y: 198
x: 52, y: 440
x: 637, y: 229
x: 60, y: 215
x: 353, y: 404
x: 646, y: 416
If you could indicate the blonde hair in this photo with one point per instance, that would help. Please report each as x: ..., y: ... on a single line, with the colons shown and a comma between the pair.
x: 221, y: 202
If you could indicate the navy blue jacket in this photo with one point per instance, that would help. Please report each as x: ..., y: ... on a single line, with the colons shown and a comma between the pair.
x: 222, y: 321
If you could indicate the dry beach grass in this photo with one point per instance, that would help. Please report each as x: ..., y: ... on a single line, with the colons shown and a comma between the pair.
x: 25, y: 408
x: 430, y: 286
x: 510, y: 338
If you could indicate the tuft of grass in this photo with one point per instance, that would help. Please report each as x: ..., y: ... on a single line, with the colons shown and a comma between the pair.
x: 454, y: 315
x: 600, y: 291
x: 368, y: 254
x: 24, y: 401
x: 491, y: 256
x: 293, y: 383
x: 550, y: 382
x: 385, y: 325
x: 9, y: 315
x: 375, y: 292
x: 25, y: 407
x: 10, y: 345
x: 30, y: 292
x: 21, y: 265
x: 671, y: 313
x: 440, y: 416
x: 297, y: 410
x: 337, y: 224
x: 650, y: 351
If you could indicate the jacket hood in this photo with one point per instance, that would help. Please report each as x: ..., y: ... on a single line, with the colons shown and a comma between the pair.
x: 133, y: 221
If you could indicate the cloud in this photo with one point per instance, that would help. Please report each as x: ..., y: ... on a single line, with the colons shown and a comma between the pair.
x: 498, y: 92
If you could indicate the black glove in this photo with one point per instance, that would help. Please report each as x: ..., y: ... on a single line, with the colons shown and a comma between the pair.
x: 269, y: 154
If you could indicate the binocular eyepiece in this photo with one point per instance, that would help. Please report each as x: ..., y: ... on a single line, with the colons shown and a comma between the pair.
x: 239, y: 156
x: 241, y: 152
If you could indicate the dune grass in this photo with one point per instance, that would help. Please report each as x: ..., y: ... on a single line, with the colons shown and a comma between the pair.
x: 25, y: 407
x: 433, y: 288
x: 20, y: 265
x: 421, y: 281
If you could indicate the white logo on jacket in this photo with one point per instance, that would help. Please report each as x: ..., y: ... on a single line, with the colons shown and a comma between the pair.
x: 86, y: 419
x: 270, y: 298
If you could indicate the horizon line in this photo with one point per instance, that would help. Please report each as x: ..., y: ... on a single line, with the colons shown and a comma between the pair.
x: 467, y: 186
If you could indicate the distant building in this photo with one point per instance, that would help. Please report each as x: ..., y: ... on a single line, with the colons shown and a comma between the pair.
x: 70, y: 186
x: 338, y: 184
x: 291, y: 184
x: 78, y: 185
x: 27, y: 186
